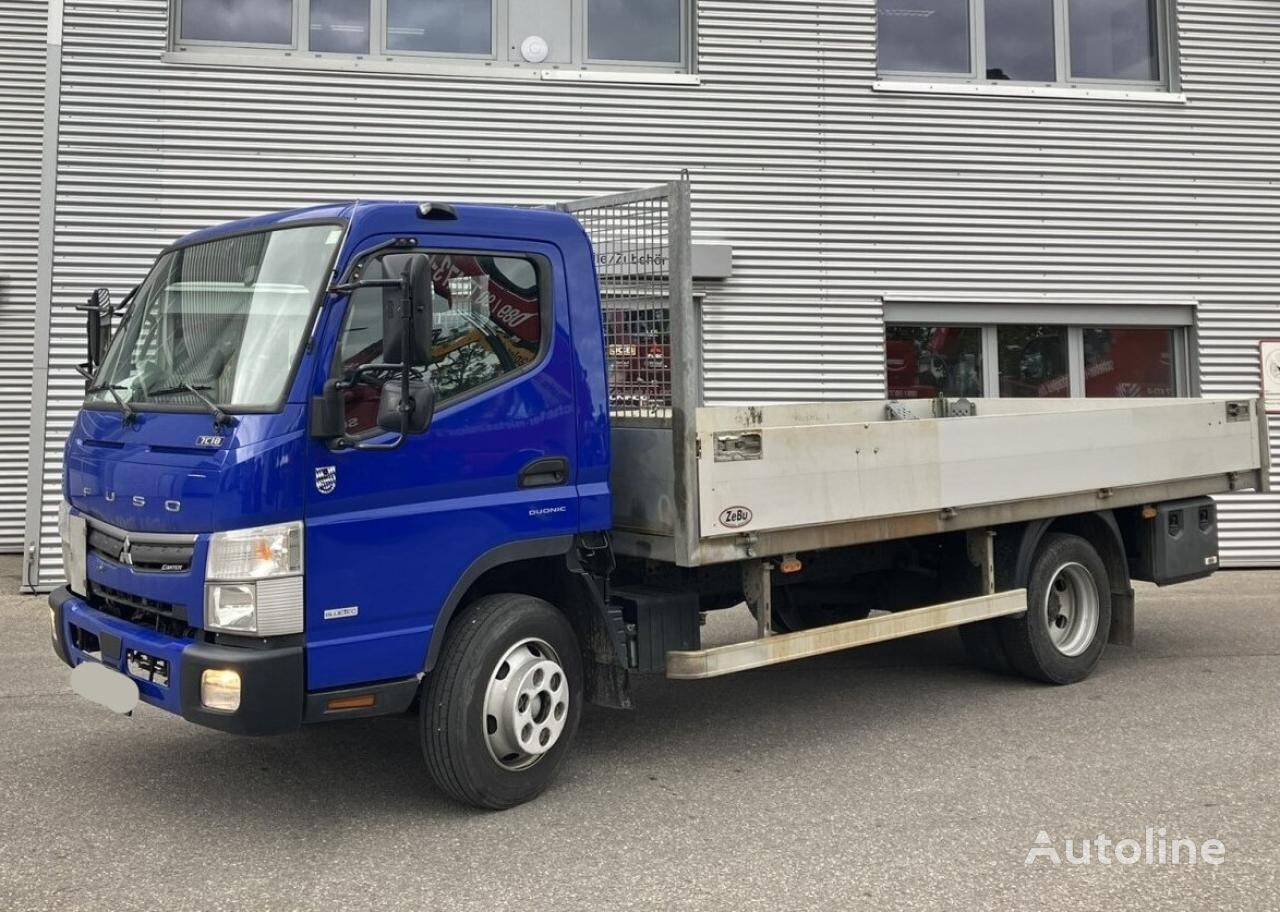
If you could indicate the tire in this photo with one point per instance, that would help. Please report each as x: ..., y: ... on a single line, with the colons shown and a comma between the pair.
x: 981, y: 641
x: 1064, y: 632
x: 495, y: 739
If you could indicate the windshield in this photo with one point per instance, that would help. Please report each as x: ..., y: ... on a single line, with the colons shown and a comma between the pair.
x: 224, y: 319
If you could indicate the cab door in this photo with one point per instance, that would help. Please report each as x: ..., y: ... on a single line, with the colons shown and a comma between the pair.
x: 389, y: 534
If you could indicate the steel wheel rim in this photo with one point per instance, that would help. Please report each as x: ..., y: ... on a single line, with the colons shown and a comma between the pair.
x: 1072, y: 609
x: 526, y: 705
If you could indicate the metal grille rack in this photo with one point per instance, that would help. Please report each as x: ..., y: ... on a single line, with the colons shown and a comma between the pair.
x: 642, y: 250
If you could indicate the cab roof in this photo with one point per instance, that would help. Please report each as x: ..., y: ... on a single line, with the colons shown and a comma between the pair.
x: 408, y: 216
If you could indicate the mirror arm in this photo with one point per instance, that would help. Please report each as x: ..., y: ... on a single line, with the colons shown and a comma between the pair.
x: 350, y: 443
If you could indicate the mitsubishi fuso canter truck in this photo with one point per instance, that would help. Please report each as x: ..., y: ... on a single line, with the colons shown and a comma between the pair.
x: 374, y: 457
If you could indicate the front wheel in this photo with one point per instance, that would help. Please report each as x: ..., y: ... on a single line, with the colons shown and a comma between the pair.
x: 1061, y: 637
x: 502, y: 705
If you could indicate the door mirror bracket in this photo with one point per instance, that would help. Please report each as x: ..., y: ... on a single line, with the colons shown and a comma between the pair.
x: 407, y: 402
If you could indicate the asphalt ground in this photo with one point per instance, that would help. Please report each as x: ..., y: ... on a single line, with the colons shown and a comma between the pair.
x: 892, y: 777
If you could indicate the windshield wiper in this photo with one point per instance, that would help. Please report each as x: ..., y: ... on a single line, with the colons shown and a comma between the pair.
x: 219, y: 416
x: 130, y: 413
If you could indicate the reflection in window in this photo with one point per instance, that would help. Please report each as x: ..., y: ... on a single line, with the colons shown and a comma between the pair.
x: 486, y: 321
x: 926, y: 361
x: 635, y: 30
x: 1033, y: 362
x: 238, y: 21
x: 1020, y: 42
x: 440, y: 26
x: 340, y: 26
x: 923, y: 36
x: 1114, y: 39
x: 1124, y: 363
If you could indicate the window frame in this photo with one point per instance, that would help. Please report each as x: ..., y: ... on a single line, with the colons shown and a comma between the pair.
x: 1180, y: 349
x: 378, y: 45
x: 502, y: 59
x: 546, y: 317
x: 1165, y: 50
x: 175, y: 18
x: 376, y: 26
x: 582, y: 30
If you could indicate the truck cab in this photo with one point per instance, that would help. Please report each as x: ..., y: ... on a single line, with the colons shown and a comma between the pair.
x: 249, y: 568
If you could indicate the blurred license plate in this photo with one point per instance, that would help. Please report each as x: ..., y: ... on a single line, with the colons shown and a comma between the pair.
x: 105, y: 686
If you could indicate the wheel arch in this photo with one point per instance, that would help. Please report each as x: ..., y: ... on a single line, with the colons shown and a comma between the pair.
x: 1100, y: 529
x: 546, y: 568
x: 536, y: 557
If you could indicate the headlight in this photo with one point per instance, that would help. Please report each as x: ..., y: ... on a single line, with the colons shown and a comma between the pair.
x: 252, y: 554
x: 232, y: 607
x: 254, y: 581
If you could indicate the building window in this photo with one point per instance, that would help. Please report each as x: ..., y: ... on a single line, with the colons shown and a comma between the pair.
x: 543, y: 34
x: 1129, y: 362
x: 634, y: 30
x: 440, y: 26
x: 486, y: 318
x: 340, y: 26
x: 924, y: 36
x: 1046, y: 42
x: 245, y: 22
x: 927, y: 361
x: 1034, y: 360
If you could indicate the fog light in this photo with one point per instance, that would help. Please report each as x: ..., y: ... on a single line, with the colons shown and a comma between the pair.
x: 220, y: 690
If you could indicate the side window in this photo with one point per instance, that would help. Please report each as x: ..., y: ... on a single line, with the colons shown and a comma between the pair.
x: 486, y: 320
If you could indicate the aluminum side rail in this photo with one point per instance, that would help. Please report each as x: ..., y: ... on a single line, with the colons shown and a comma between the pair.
x: 774, y: 650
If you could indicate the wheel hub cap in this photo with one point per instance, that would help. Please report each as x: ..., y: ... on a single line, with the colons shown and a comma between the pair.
x: 526, y: 705
x: 1073, y: 608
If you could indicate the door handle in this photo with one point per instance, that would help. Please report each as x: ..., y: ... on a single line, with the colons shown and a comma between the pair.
x: 545, y: 473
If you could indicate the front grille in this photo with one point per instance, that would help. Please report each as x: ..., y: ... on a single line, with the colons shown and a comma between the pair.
x: 163, y: 617
x: 141, y: 555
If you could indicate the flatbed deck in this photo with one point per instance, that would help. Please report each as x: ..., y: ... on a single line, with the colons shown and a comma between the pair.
x: 770, y: 480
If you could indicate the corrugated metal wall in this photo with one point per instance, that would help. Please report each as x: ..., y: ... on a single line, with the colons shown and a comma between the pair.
x: 22, y: 25
x: 831, y: 193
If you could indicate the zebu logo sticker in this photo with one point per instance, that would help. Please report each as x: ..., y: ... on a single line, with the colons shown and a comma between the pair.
x: 736, y: 517
x: 326, y: 479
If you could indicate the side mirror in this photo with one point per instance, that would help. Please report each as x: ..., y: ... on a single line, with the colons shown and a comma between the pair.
x: 97, y: 324
x: 406, y: 317
x: 417, y: 417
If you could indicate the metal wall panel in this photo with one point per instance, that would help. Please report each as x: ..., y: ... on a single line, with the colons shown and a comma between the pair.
x: 833, y: 193
x: 1231, y: 365
x: 22, y: 53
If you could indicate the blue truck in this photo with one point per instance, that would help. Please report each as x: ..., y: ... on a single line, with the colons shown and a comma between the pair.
x: 366, y: 458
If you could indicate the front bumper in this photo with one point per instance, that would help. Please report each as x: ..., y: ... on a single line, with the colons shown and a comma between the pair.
x: 272, y: 681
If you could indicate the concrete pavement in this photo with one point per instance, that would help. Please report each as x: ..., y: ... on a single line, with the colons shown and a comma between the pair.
x: 894, y: 777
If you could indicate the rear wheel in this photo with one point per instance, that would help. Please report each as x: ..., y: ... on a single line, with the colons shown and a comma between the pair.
x: 502, y: 705
x: 1061, y: 637
x: 981, y: 641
